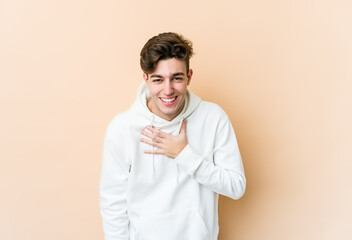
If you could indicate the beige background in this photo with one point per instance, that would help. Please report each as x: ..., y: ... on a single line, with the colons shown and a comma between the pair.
x: 280, y: 69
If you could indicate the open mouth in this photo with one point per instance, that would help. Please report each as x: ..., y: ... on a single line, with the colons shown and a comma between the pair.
x: 168, y: 100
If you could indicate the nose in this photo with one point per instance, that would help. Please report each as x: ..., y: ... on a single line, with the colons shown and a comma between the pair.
x: 168, y: 88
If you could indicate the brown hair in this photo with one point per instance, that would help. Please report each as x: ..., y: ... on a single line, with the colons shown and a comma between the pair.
x: 165, y: 46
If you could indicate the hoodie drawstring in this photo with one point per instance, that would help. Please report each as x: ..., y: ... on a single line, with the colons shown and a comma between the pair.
x: 153, y: 155
x: 178, y: 131
x: 153, y: 164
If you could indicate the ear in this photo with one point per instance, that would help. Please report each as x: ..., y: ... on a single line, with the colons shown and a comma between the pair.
x: 145, y: 76
x: 189, y: 75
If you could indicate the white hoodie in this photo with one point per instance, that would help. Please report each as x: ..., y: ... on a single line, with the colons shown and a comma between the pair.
x: 153, y: 197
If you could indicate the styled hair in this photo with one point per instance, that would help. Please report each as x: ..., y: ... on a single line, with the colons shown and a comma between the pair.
x: 165, y: 46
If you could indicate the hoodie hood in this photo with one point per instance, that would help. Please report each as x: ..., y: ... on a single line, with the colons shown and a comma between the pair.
x: 140, y: 107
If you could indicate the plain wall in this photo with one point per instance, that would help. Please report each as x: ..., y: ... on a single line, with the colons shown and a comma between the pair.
x: 280, y: 69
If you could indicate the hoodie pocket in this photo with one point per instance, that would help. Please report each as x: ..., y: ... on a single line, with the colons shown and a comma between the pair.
x: 185, y: 225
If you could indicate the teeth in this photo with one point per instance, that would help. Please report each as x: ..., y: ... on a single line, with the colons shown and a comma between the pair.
x: 168, y: 100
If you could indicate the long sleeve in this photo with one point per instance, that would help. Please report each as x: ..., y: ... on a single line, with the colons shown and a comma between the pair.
x: 113, y: 192
x: 222, y: 172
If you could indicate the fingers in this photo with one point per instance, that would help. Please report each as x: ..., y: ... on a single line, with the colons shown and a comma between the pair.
x: 152, y: 143
x: 156, y: 132
x: 153, y: 137
x: 158, y: 151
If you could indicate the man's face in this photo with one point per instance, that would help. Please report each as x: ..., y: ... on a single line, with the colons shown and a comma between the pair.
x: 168, y: 88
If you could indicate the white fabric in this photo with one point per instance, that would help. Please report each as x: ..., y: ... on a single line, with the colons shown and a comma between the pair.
x: 153, y: 197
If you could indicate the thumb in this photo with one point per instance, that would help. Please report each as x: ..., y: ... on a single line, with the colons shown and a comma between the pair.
x: 183, y: 126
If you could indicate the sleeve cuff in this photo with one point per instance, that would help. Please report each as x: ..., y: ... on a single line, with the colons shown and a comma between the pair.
x: 188, y: 160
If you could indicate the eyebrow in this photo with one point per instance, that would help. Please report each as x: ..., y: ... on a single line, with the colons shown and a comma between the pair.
x: 178, y: 74
x: 155, y: 76
x: 174, y: 75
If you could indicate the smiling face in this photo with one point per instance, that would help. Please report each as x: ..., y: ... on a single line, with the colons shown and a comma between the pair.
x: 168, y: 87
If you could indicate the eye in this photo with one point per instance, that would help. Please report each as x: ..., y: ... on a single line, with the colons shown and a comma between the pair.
x: 178, y: 78
x: 156, y: 80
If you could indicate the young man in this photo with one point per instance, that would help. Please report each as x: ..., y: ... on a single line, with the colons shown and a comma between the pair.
x: 168, y: 157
